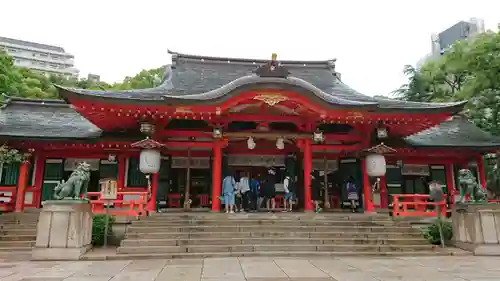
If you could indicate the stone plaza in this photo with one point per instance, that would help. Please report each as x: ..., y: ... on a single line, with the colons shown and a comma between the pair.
x: 454, y: 268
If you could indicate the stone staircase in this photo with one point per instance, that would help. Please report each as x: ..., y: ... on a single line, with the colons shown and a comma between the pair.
x: 281, y: 234
x: 18, y: 235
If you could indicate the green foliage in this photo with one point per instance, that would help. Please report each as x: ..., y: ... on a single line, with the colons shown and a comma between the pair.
x: 10, y: 155
x: 470, y: 70
x: 98, y: 229
x: 22, y: 82
x: 431, y: 232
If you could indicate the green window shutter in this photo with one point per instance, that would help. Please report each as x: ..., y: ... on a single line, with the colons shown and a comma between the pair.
x: 10, y: 174
x: 53, y: 172
x: 438, y: 173
x: 108, y: 170
x: 135, y: 178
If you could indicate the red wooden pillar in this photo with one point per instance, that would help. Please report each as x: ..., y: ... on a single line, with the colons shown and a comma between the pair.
x: 216, y: 176
x: 367, y: 188
x: 22, y: 183
x: 154, y: 190
x: 122, y: 170
x: 308, y: 206
x: 450, y: 183
x: 39, y: 168
x: 384, y: 200
x: 480, y: 171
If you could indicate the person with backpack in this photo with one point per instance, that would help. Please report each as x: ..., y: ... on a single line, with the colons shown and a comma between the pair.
x: 289, y: 186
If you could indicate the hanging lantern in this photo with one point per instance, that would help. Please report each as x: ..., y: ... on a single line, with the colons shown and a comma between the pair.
x: 150, y: 160
x: 318, y: 136
x: 280, y: 143
x: 375, y: 165
x: 251, y: 143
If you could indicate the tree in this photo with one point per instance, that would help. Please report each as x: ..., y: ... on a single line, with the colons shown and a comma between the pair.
x: 470, y: 70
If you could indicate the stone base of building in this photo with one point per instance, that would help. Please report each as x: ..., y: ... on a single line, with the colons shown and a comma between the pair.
x: 64, y: 230
x: 476, y: 228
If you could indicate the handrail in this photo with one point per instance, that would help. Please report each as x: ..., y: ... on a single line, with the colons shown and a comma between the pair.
x: 416, y: 205
x: 137, y: 207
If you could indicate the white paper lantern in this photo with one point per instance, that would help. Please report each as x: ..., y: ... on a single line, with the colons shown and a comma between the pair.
x: 375, y: 165
x: 150, y: 160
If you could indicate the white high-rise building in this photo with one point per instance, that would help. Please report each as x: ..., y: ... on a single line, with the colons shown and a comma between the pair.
x: 43, y: 58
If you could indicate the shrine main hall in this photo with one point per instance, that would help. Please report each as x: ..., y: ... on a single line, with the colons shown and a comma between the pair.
x: 211, y: 115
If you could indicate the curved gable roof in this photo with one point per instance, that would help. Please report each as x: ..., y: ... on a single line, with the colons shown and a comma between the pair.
x: 199, y: 78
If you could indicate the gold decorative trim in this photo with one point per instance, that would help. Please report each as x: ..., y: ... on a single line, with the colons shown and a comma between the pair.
x: 271, y: 99
x: 183, y: 110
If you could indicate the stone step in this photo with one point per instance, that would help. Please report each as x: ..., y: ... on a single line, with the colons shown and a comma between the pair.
x: 253, y: 222
x: 23, y: 231
x: 266, y: 241
x: 277, y: 215
x: 17, y: 226
x: 17, y: 243
x: 273, y: 248
x: 256, y: 228
x: 18, y: 237
x: 15, y: 249
x: 262, y: 254
x: 265, y: 233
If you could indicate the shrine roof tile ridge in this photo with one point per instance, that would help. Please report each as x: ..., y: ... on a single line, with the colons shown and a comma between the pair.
x: 197, y: 79
x: 176, y: 56
x: 11, y: 100
x: 456, y: 132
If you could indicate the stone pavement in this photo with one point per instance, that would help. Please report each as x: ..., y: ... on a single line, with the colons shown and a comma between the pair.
x: 260, y: 269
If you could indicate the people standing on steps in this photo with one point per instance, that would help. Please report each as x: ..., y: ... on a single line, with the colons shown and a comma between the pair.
x: 316, y: 190
x: 268, y: 191
x: 289, y: 186
x: 352, y: 194
x: 228, y: 192
x: 254, y: 194
x: 244, y: 188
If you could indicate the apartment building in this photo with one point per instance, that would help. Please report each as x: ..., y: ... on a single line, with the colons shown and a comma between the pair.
x: 47, y: 59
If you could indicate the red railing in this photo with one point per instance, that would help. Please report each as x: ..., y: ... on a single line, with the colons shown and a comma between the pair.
x: 133, y: 208
x: 416, y: 205
x: 7, y: 202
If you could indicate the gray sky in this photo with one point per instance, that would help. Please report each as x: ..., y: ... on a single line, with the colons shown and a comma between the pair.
x: 372, y: 40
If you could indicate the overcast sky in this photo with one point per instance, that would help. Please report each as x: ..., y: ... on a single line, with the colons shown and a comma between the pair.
x: 371, y: 40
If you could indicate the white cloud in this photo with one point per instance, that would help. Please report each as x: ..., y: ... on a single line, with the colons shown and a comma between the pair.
x: 372, y: 40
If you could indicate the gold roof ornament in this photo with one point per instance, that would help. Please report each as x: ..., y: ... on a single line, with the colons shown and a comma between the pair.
x: 274, y: 57
x: 271, y: 99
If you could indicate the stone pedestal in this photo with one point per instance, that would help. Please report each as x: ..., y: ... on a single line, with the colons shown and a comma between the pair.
x: 476, y: 228
x: 64, y: 230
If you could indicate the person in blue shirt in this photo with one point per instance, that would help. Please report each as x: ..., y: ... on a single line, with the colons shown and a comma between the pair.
x: 254, y: 193
x: 228, y: 192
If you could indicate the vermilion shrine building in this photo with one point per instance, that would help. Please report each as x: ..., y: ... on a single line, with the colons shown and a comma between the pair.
x: 206, y: 114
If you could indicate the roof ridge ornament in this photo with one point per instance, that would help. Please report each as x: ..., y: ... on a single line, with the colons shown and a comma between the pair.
x: 273, y: 69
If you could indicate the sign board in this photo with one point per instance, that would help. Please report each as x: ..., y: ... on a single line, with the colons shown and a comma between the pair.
x: 70, y: 164
x: 415, y: 170
x: 109, y: 189
x: 259, y: 161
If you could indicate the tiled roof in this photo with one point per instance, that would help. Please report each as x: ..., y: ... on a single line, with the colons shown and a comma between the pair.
x: 192, y: 79
x: 52, y: 119
x: 457, y: 132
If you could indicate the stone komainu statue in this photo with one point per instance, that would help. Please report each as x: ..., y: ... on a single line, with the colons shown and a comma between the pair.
x: 76, y: 184
x: 468, y: 185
